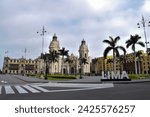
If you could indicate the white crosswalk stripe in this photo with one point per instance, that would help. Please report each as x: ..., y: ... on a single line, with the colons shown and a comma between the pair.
x: 23, y: 89
x: 20, y: 89
x: 31, y: 89
x: 38, y: 88
x: 0, y: 89
x: 41, y: 89
x: 9, y: 90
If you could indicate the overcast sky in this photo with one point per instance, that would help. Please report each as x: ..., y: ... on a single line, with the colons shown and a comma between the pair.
x: 71, y: 20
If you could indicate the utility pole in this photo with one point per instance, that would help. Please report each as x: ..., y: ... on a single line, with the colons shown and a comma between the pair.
x: 6, y: 53
x: 43, y: 34
x: 25, y: 52
x: 145, y: 23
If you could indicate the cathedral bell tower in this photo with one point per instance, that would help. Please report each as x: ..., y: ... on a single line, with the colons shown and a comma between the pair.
x: 54, y: 67
x: 83, y: 50
x: 84, y: 60
x: 54, y: 44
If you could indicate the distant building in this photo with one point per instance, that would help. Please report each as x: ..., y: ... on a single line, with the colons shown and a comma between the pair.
x: 143, y: 64
x: 21, y: 66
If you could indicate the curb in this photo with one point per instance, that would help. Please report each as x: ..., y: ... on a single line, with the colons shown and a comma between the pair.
x: 98, y: 82
x: 128, y: 82
x: 46, y: 81
x: 82, y: 82
x: 114, y: 82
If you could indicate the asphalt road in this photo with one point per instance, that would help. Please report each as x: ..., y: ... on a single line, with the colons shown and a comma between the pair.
x: 21, y: 90
x: 10, y: 80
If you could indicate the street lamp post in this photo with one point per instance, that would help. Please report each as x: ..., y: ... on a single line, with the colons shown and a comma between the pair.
x: 42, y: 34
x: 145, y: 23
x: 46, y: 60
x: 46, y: 70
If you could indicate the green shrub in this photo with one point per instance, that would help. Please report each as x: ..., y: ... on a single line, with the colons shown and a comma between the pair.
x: 32, y: 75
x: 53, y: 76
x: 62, y: 76
x: 138, y: 76
x: 133, y: 76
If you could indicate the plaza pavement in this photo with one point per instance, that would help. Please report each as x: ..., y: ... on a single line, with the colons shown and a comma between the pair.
x: 85, y: 79
x: 30, y: 79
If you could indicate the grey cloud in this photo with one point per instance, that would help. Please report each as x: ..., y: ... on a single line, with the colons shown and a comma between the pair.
x: 71, y: 20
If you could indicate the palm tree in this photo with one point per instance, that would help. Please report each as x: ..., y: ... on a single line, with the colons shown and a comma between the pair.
x: 94, y: 65
x: 51, y: 57
x: 63, y: 53
x: 139, y: 57
x: 134, y: 40
x: 113, y: 46
x: 83, y: 61
x: 110, y: 61
x: 46, y: 60
x: 148, y: 55
x: 121, y: 60
x: 69, y: 60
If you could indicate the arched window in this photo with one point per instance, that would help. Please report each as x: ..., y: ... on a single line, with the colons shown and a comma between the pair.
x: 85, y: 55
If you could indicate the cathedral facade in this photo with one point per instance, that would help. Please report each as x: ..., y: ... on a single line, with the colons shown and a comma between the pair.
x: 71, y: 64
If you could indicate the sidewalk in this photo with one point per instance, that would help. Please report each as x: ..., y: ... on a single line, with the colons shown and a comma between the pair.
x: 31, y: 79
x: 97, y: 80
x: 132, y: 81
x: 85, y: 79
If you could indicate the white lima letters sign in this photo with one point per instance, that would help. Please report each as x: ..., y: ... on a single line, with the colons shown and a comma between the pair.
x: 113, y: 75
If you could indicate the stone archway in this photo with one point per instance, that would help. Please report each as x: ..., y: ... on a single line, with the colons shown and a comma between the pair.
x: 64, y: 71
x: 6, y: 71
x: 72, y: 70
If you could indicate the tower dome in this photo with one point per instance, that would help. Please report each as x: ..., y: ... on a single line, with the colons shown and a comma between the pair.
x: 83, y: 49
x: 83, y: 46
x: 54, y: 44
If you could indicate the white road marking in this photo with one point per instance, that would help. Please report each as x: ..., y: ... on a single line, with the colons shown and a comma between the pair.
x: 20, y: 89
x: 9, y: 90
x: 31, y: 89
x: 38, y: 88
x: 83, y: 85
x: 80, y: 89
x: 3, y: 81
x: 0, y: 89
x: 41, y: 89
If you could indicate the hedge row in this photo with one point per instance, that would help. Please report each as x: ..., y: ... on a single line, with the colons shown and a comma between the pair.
x: 62, y: 76
x: 138, y: 76
x: 54, y: 76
